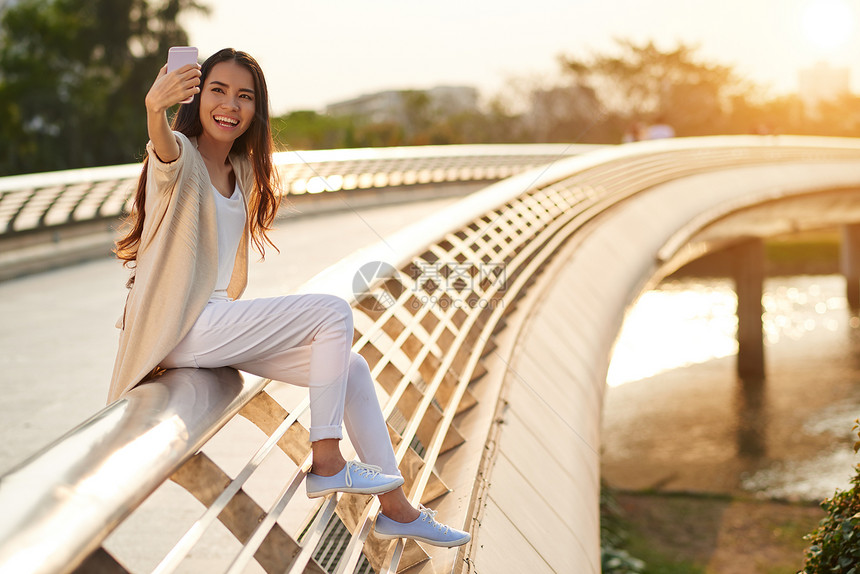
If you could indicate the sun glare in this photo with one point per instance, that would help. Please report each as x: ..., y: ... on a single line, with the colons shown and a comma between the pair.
x: 828, y: 24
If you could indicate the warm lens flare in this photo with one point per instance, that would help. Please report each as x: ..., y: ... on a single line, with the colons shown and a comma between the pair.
x: 828, y: 24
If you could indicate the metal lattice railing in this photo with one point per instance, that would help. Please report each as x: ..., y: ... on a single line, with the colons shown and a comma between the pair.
x: 426, y: 305
x: 41, y: 201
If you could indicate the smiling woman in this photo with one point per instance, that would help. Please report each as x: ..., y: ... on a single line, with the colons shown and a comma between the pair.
x: 828, y: 24
x: 207, y: 188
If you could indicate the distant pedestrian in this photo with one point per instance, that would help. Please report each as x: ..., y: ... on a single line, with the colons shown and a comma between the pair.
x: 660, y: 129
x: 207, y: 190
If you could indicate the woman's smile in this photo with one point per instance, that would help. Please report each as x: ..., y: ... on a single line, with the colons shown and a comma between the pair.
x: 227, y: 105
x: 226, y: 121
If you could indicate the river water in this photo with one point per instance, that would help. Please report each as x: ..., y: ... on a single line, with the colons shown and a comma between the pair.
x: 678, y: 418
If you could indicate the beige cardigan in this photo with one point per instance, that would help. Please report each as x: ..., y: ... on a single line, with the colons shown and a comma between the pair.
x: 177, y: 262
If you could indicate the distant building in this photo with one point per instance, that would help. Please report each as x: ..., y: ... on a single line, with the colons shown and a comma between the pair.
x: 376, y: 108
x: 822, y: 83
x: 453, y: 99
x: 393, y: 105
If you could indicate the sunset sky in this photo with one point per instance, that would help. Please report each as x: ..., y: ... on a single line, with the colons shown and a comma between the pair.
x: 320, y: 51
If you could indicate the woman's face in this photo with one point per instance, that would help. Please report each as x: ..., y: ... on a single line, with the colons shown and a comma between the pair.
x: 227, y: 101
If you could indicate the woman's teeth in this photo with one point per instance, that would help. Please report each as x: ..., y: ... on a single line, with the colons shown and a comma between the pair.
x: 226, y: 122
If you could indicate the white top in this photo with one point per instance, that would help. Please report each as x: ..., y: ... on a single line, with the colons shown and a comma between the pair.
x: 230, y: 213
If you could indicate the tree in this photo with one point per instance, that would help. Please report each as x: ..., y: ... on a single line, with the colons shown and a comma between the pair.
x: 74, y: 74
x: 567, y: 113
x: 307, y: 129
x: 838, y: 117
x: 642, y: 82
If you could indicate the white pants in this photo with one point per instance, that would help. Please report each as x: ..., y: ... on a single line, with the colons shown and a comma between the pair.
x: 303, y: 340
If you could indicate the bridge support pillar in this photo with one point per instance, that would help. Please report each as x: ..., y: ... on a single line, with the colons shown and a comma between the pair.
x: 748, y: 271
x: 849, y: 259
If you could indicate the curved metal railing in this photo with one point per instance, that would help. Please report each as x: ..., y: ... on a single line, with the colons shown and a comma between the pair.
x: 427, y: 304
x: 48, y: 200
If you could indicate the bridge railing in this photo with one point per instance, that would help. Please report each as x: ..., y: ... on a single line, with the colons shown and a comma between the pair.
x: 49, y: 200
x: 427, y: 302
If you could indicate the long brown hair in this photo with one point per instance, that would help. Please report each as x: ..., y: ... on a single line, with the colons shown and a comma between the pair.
x: 256, y: 143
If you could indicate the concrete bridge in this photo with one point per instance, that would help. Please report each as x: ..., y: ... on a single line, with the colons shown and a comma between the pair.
x: 489, y: 329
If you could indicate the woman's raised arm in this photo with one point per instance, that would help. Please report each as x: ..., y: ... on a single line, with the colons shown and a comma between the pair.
x: 166, y: 91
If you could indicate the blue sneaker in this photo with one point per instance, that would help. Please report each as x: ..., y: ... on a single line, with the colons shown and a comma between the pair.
x: 354, y: 477
x: 424, y: 529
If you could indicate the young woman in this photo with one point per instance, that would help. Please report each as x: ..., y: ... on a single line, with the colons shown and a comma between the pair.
x: 206, y: 189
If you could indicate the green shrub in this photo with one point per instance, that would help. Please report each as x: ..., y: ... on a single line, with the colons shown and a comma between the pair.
x: 835, y: 544
x: 614, y: 560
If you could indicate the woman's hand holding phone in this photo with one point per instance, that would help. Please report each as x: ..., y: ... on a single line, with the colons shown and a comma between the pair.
x: 177, y: 82
x: 177, y: 58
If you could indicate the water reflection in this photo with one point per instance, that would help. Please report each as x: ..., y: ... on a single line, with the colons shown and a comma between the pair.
x: 686, y: 322
x: 681, y: 323
x: 701, y: 427
x: 752, y: 417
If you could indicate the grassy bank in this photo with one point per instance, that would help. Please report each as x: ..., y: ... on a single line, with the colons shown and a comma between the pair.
x: 810, y: 253
x: 701, y: 534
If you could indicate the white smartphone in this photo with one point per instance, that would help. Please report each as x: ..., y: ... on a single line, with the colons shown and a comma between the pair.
x: 178, y: 56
